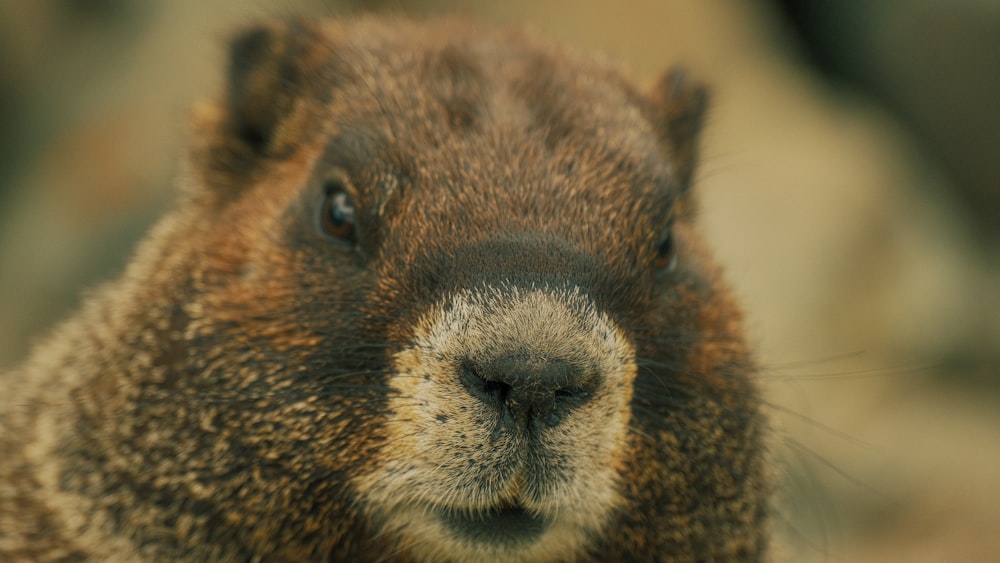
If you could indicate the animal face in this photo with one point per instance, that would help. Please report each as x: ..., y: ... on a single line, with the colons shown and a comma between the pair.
x: 452, y: 277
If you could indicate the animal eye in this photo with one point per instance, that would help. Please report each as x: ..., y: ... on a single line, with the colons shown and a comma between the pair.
x: 337, y: 215
x: 666, y: 255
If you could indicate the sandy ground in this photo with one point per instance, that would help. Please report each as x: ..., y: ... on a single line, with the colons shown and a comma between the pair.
x: 875, y: 311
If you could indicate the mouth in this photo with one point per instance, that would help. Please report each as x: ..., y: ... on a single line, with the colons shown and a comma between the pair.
x: 506, y: 525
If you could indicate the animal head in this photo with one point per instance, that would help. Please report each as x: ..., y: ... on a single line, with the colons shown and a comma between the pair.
x: 446, y: 302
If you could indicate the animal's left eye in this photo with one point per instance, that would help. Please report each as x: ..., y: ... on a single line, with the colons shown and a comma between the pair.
x: 337, y: 214
x: 666, y: 254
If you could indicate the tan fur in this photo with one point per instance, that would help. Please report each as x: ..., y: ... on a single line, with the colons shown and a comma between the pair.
x: 503, y: 340
x: 417, y: 474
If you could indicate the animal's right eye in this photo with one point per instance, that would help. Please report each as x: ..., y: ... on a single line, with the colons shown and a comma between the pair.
x: 666, y: 255
x: 337, y: 213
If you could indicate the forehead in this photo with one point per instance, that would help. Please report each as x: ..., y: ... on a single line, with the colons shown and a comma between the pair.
x: 500, y: 117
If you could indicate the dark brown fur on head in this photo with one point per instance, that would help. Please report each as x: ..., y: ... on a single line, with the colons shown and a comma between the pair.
x: 258, y: 385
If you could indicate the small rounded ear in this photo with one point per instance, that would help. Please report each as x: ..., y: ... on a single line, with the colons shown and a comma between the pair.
x: 265, y: 77
x: 679, y: 106
x: 277, y: 82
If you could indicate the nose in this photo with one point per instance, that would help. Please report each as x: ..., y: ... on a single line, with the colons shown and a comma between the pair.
x: 527, y: 388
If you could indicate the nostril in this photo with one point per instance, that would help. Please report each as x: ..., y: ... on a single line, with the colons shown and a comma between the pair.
x: 565, y: 393
x: 488, y: 390
x: 569, y: 397
x: 497, y: 389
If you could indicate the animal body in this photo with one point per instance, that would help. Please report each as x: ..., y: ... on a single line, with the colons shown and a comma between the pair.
x: 430, y: 293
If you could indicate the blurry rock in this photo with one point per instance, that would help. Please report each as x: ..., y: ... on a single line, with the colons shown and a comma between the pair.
x: 937, y: 64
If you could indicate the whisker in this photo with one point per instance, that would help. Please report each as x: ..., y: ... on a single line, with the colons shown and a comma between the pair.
x: 797, y: 446
x: 867, y: 373
x: 815, y: 423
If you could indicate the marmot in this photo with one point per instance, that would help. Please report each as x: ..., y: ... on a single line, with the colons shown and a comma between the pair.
x: 431, y: 293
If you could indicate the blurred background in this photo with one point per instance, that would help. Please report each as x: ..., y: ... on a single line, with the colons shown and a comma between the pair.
x: 850, y: 185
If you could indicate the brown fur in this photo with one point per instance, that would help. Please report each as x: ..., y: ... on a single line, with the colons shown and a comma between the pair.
x: 254, y: 389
